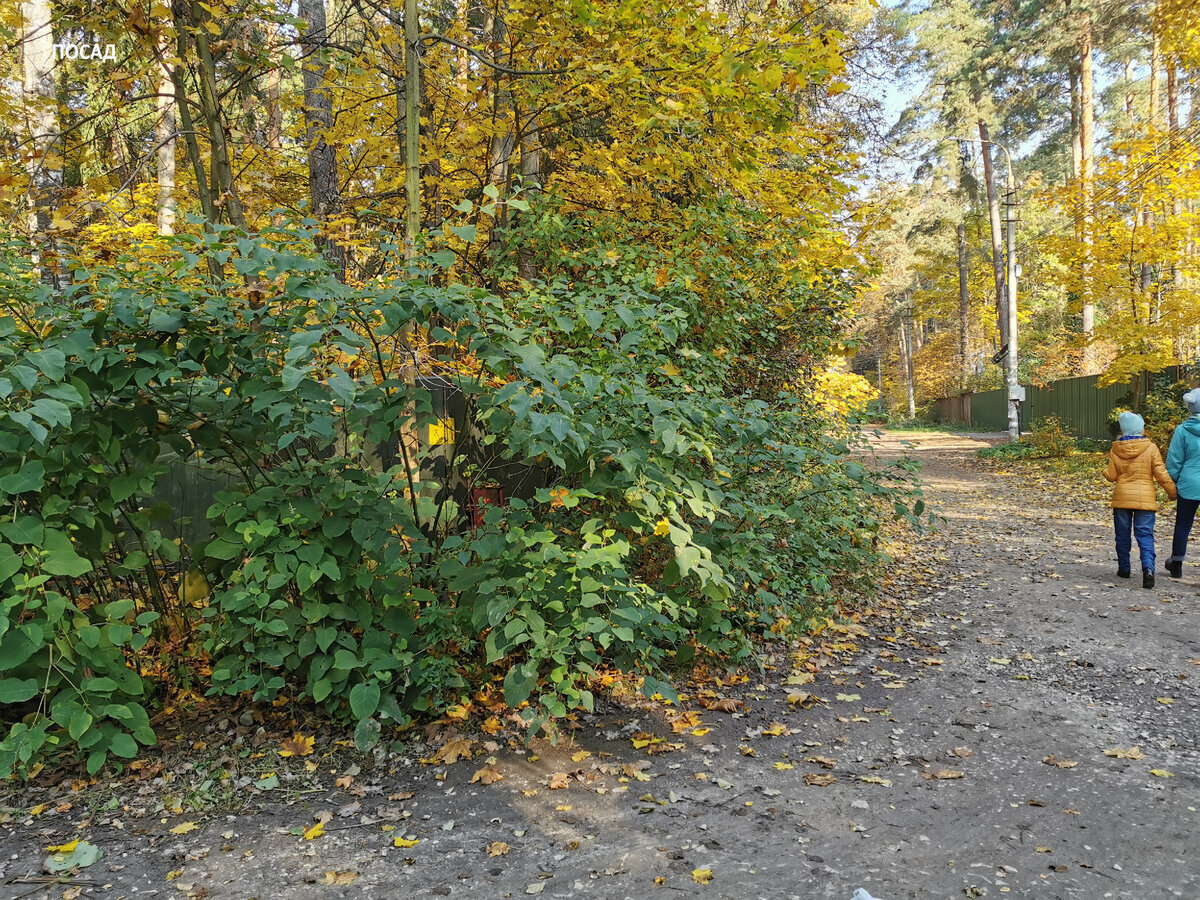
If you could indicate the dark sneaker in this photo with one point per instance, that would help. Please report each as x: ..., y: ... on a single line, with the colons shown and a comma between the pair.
x: 1175, y: 568
x: 1122, y: 573
x: 1147, y: 578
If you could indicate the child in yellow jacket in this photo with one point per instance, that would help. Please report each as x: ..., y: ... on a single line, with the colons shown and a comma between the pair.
x: 1135, y: 463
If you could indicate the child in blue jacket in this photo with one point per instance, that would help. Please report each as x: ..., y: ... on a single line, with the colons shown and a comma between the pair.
x: 1183, y: 465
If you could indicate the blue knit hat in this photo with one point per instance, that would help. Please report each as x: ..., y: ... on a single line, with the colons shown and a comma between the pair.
x: 1192, y: 400
x: 1131, y: 424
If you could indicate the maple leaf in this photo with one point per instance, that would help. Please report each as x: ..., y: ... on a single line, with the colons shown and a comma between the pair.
x: 702, y: 876
x: 184, y: 828
x: 824, y: 762
x: 559, y: 781
x: 454, y: 750
x: 776, y: 729
x: 297, y: 745
x: 486, y: 775
x: 492, y: 725
x: 497, y: 848
x: 314, y: 831
x: 580, y: 755
x: 813, y: 779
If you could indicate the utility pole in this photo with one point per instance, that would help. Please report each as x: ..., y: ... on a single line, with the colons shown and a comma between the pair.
x: 1006, y: 281
x: 1016, y: 393
x: 994, y: 221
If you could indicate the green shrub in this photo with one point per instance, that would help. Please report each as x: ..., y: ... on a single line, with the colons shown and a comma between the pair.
x: 1050, y: 437
x: 682, y: 520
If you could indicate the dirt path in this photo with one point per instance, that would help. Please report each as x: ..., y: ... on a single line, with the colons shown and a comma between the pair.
x: 1020, y: 646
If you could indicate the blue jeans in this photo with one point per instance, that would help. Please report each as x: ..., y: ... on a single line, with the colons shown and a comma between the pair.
x: 1185, y: 515
x: 1141, y: 521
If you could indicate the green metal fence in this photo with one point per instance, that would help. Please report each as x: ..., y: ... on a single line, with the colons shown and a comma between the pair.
x: 1082, y: 406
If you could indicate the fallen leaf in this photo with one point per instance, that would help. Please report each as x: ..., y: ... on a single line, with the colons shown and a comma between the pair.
x: 702, y: 876
x: 963, y: 752
x: 492, y: 725
x: 81, y: 855
x: 486, y: 775
x: 647, y: 741
x: 777, y: 729
x: 942, y: 775
x: 457, y: 711
x: 849, y: 698
x: 454, y: 750
x: 72, y: 893
x: 1053, y: 760
x: 497, y: 848
x: 825, y: 762
x: 64, y: 848
x: 1119, y: 753
x: 184, y: 828
x: 728, y: 705
x: 343, y: 781
x: 580, y: 755
x: 1165, y: 700
x: 801, y: 678
x: 403, y: 795
x: 297, y: 745
x: 1162, y: 773
x: 819, y: 780
x: 781, y: 766
x: 747, y: 750
x: 701, y: 732
x: 875, y: 779
x: 405, y: 842
x: 1042, y: 849
x: 895, y: 684
x: 559, y: 781
x: 1000, y: 660
x: 312, y: 832
x: 333, y: 877
x: 536, y: 888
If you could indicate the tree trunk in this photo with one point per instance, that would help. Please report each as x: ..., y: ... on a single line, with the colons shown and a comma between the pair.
x: 1153, y: 113
x: 1087, y: 175
x: 38, y: 97
x: 191, y: 16
x: 323, y: 188
x: 412, y: 129
x: 164, y: 135
x: 964, y: 311
x: 1075, y: 146
x: 997, y: 246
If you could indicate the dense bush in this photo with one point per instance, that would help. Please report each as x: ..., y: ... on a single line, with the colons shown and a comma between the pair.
x: 682, y: 519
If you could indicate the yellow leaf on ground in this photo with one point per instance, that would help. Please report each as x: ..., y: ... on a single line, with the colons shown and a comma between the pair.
x: 457, y: 711
x: 297, y: 745
x: 580, y: 755
x: 492, y: 725
x: 819, y: 780
x: 312, y: 832
x: 559, y: 781
x: 333, y: 877
x: 701, y: 732
x: 184, y: 828
x: 702, y: 876
x: 1162, y: 773
x: 65, y: 848
x: 875, y: 779
x: 777, y: 729
x: 942, y: 775
x: 497, y: 848
x: 404, y: 842
x: 1165, y: 700
x: 453, y: 751
x: 1119, y: 753
x: 781, y: 766
x: 824, y: 762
